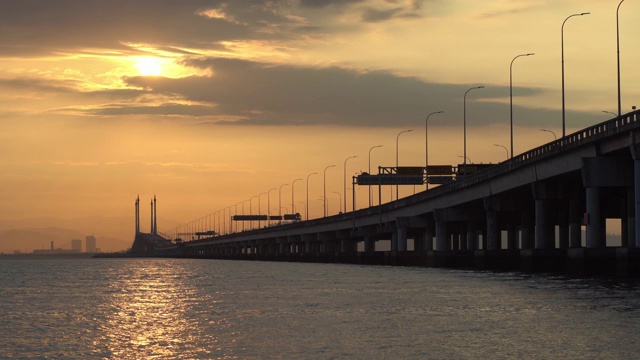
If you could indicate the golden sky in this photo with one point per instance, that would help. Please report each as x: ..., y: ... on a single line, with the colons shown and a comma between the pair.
x: 209, y: 103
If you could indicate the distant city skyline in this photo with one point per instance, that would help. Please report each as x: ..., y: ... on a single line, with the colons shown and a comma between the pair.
x: 208, y: 103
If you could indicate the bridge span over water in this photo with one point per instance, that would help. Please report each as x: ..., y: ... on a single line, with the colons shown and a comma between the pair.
x: 543, y: 210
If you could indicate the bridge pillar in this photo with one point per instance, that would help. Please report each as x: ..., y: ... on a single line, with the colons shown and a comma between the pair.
x: 369, y: 244
x: 428, y: 237
x: 512, y: 236
x: 401, y: 239
x: 544, y: 228
x: 441, y: 236
x: 455, y: 241
x: 563, y: 224
x: 636, y: 208
x: 575, y: 228
x: 629, y: 216
x: 527, y: 234
x: 595, y: 219
x: 493, y: 240
x: 472, y: 237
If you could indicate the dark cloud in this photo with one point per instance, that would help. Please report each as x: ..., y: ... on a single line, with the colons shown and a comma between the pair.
x: 29, y: 27
x: 276, y: 95
x: 326, y: 3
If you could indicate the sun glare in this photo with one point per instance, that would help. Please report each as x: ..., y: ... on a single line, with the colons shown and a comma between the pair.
x: 149, y: 66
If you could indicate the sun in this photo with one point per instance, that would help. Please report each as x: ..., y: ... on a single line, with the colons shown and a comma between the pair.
x: 149, y: 66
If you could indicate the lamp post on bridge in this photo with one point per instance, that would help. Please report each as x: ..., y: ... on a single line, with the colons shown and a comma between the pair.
x: 345, y: 181
x: 397, y: 142
x: 426, y: 146
x: 339, y: 202
x: 609, y: 112
x: 269, y: 206
x: 554, y: 134
x: 280, y: 201
x: 236, y: 230
x: 307, y: 205
x: 304, y: 206
x: 251, y: 211
x: 505, y: 149
x: 618, y: 57
x: 511, y: 97
x: 373, y: 147
x: 562, y: 50
x: 464, y: 115
x: 324, y: 185
x: 293, y: 206
x: 464, y: 157
x: 243, y: 212
x: 259, y: 213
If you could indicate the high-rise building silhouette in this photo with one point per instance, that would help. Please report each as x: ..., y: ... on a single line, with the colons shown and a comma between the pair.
x: 90, y: 244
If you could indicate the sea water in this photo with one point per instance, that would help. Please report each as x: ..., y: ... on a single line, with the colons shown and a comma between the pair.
x: 213, y: 309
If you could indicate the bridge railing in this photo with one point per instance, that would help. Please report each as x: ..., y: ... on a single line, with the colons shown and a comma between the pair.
x: 579, y: 138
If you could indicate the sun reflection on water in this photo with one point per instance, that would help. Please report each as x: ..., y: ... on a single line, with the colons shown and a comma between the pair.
x: 150, y: 316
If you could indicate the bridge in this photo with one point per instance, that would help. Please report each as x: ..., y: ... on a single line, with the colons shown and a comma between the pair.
x: 528, y: 213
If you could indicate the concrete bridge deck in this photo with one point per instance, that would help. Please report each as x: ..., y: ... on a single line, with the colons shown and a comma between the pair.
x: 527, y: 213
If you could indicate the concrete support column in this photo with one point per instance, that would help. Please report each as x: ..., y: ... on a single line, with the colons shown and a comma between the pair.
x: 527, y: 232
x: 462, y: 238
x: 493, y: 235
x: 418, y: 242
x: 595, y: 230
x: 472, y: 238
x: 563, y: 225
x: 542, y: 225
x: 636, y: 208
x: 369, y: 244
x: 428, y: 238
x: 512, y: 236
x: 394, y: 241
x: 630, y: 215
x: 402, y: 239
x: 575, y: 228
x: 441, y: 236
x: 455, y: 241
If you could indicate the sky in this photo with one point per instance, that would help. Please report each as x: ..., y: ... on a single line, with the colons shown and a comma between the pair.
x: 213, y: 104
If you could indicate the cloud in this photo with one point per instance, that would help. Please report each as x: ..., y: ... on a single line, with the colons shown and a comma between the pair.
x: 258, y: 93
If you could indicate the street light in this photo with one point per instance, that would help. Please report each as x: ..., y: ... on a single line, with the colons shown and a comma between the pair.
x: 554, y: 134
x: 618, y: 46
x: 464, y: 157
x: 511, y: 96
x: 340, y: 202
x: 304, y: 206
x: 280, y: 201
x: 293, y: 207
x: 251, y: 211
x: 562, y: 49
x: 307, y: 210
x: 269, y: 206
x: 373, y: 147
x: 397, y: 141
x: 505, y: 149
x: 259, y: 213
x: 609, y: 112
x: 324, y: 191
x: 426, y: 146
x: 464, y: 114
x: 345, y: 181
x: 237, y: 214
